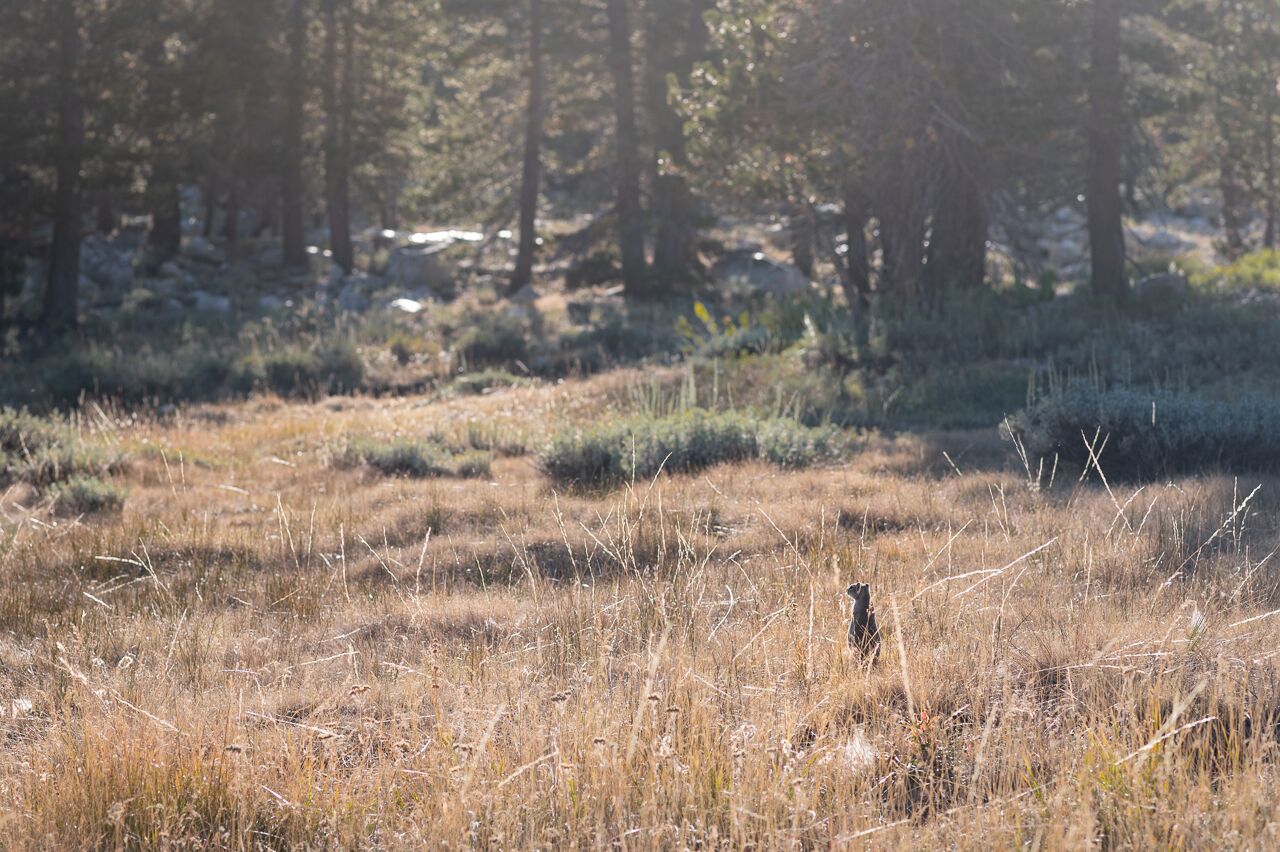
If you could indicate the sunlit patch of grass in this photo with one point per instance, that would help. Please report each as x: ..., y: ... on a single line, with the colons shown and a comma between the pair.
x: 273, y: 652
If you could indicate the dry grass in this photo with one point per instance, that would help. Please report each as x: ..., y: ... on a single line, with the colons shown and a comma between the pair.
x: 264, y: 651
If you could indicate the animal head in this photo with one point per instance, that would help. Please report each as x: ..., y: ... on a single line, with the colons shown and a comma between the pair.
x: 860, y: 593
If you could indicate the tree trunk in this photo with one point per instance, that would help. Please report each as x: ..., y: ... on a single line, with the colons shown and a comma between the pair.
x: 903, y: 212
x: 801, y: 231
x: 857, y: 277
x: 389, y: 213
x: 631, y: 229
x: 532, y: 171
x: 210, y: 207
x: 902, y: 232
x: 1234, y: 200
x: 165, y: 238
x: 61, y: 306
x: 1270, y: 235
x: 337, y: 107
x: 291, y: 186
x: 232, y: 229
x: 105, y: 212
x: 958, y: 245
x: 1106, y: 139
x: 675, y: 209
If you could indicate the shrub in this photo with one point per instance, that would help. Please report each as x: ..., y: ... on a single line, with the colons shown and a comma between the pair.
x: 188, y: 371
x: 1153, y: 433
x: 293, y: 371
x: 43, y: 452
x: 406, y: 347
x: 192, y: 370
x: 416, y: 459
x: 614, y: 338
x: 492, y: 340
x: 1260, y: 269
x: 86, y: 495
x: 696, y: 439
x: 493, y: 436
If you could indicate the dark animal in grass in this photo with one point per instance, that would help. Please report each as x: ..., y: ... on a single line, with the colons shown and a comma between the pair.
x: 864, y: 633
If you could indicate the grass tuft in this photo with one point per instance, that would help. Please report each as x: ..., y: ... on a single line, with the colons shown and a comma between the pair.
x: 640, y: 447
x: 42, y: 452
x: 87, y: 495
x: 414, y: 458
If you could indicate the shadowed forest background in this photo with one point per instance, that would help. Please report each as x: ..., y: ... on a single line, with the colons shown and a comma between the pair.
x: 456, y: 423
x: 202, y: 200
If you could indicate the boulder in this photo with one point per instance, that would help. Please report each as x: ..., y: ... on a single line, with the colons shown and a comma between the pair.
x: 526, y: 295
x: 90, y: 292
x: 199, y: 248
x: 105, y: 264
x: 1168, y: 289
x: 353, y: 300
x: 271, y: 256
x: 209, y: 303
x: 181, y: 278
x: 756, y: 272
x: 336, y: 276
x: 165, y: 286
x: 1166, y: 241
x: 421, y: 266
x: 407, y: 306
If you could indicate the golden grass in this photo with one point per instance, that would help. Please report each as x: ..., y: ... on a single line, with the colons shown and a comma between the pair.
x: 263, y: 651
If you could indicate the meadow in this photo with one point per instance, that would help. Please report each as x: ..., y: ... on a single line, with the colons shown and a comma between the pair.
x: 273, y: 640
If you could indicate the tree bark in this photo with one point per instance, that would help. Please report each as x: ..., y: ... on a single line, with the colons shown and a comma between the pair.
x: 232, y: 230
x: 902, y: 231
x: 105, y: 216
x: 291, y: 185
x: 532, y: 171
x: 635, y: 274
x: 857, y: 277
x: 1270, y: 236
x: 61, y: 306
x: 958, y: 245
x: 802, y: 234
x: 1234, y: 194
x: 165, y: 238
x: 210, y: 207
x: 337, y: 107
x: 1106, y: 141
x: 902, y: 209
x: 675, y: 208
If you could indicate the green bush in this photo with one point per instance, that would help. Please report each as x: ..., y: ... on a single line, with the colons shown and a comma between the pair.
x: 1153, y: 433
x: 693, y: 440
x: 44, y: 452
x: 415, y: 459
x: 294, y: 371
x: 612, y: 339
x: 1259, y: 269
x: 491, y: 339
x: 188, y: 371
x: 87, y: 495
x: 193, y: 370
